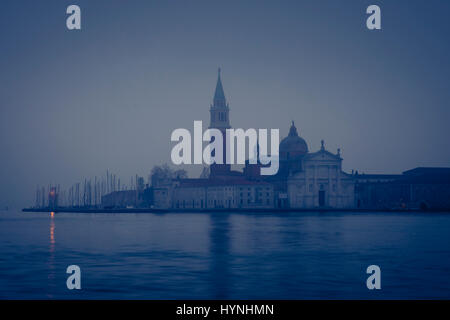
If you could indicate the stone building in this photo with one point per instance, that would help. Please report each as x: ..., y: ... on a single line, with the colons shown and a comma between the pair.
x: 162, y: 196
x: 222, y: 194
x: 419, y: 188
x: 321, y: 182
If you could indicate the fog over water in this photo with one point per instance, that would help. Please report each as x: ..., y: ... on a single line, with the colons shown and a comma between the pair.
x: 76, y: 103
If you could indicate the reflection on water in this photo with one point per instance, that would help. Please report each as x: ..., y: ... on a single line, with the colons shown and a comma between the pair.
x: 52, y: 232
x: 51, y: 257
x: 220, y: 254
x: 224, y: 256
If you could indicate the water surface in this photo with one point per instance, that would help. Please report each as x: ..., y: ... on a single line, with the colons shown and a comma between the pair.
x: 225, y: 256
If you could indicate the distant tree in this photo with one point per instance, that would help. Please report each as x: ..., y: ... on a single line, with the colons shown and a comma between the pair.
x: 160, y: 174
x: 164, y: 174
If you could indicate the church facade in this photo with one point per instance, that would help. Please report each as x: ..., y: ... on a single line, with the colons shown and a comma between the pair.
x: 321, y: 182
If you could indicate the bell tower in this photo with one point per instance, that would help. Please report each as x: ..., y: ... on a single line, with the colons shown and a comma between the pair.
x: 219, y: 119
x: 219, y: 110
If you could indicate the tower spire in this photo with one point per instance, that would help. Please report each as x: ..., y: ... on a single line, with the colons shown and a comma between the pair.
x: 219, y: 108
x: 219, y: 95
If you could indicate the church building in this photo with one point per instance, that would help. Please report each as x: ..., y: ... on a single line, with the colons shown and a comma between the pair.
x: 304, y: 179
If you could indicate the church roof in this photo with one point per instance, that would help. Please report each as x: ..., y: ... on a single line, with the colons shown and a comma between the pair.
x: 323, y: 152
x: 293, y: 143
x: 428, y: 170
x: 313, y: 155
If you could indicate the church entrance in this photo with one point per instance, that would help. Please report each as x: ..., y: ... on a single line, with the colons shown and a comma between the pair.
x: 321, y: 198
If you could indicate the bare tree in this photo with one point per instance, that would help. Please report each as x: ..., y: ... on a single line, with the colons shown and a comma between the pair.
x: 164, y: 174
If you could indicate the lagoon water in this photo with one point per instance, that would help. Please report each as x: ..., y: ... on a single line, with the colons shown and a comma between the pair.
x: 225, y: 256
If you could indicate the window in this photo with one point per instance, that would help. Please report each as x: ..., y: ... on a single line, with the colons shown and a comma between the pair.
x: 310, y: 187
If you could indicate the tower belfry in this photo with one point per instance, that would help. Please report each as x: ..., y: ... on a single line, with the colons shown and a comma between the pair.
x: 219, y: 110
x: 219, y: 113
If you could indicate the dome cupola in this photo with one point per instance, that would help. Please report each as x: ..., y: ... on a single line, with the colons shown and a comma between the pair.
x: 293, y: 145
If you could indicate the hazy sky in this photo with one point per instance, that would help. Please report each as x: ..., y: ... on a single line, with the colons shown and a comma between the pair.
x: 75, y: 103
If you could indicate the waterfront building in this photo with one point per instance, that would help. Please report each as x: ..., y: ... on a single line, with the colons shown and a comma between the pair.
x: 419, y: 188
x: 222, y: 193
x: 162, y: 196
x: 304, y: 180
x: 320, y: 182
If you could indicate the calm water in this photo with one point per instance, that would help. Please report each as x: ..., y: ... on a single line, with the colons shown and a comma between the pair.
x: 224, y: 256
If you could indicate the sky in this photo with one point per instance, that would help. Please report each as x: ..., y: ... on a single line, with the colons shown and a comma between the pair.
x: 76, y: 103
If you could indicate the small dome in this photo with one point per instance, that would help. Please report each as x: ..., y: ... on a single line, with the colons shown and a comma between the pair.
x: 293, y: 145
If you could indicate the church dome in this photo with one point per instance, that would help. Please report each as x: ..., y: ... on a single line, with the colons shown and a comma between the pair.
x: 293, y: 145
